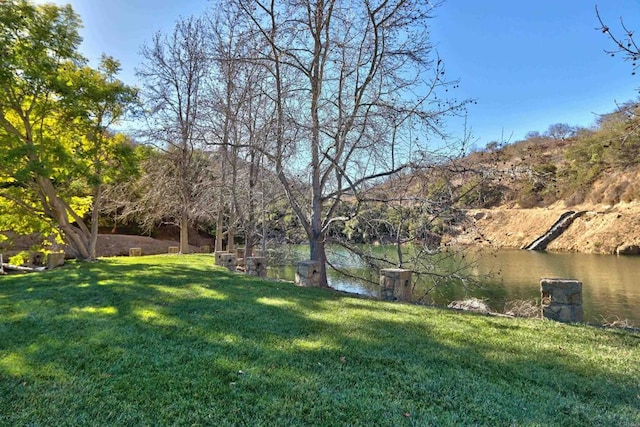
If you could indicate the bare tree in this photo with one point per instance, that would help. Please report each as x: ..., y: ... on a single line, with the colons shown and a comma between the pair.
x: 624, y: 42
x: 240, y: 123
x: 560, y: 131
x: 163, y: 178
x: 413, y: 211
x: 355, y: 92
x: 174, y: 71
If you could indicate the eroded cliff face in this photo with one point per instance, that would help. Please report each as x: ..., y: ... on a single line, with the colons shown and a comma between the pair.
x: 602, y: 229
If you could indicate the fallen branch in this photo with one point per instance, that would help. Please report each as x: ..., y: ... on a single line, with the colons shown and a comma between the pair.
x: 7, y: 266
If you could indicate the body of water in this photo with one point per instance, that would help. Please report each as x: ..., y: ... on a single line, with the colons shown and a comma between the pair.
x: 611, y: 284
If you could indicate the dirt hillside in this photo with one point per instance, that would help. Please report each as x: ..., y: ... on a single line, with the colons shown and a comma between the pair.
x: 602, y: 229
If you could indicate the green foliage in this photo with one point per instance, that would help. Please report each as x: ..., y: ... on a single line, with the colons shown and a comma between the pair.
x: 480, y: 192
x: 540, y: 188
x: 566, y: 162
x: 613, y: 145
x: 55, y: 112
x: 175, y: 341
x: 20, y: 258
x: 528, y: 196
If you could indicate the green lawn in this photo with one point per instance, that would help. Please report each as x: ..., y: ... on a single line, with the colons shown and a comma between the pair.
x: 172, y: 340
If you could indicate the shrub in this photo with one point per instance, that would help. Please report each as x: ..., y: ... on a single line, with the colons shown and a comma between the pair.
x: 20, y: 258
x: 522, y: 308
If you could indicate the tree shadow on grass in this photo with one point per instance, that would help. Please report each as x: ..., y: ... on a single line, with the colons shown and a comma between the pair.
x: 168, y: 343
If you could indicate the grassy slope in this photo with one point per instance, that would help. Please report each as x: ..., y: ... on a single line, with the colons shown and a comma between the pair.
x: 172, y: 340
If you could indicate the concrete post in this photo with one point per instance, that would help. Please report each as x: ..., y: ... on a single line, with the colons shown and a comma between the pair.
x: 218, y: 255
x: 36, y: 259
x: 308, y: 273
x: 256, y: 266
x: 228, y: 260
x: 395, y: 284
x: 55, y: 259
x: 240, y: 256
x: 561, y: 299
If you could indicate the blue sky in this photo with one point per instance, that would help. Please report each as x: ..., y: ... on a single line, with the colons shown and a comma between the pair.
x: 534, y: 63
x: 528, y: 64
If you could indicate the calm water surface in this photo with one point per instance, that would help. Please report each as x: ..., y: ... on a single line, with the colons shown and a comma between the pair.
x: 611, y: 284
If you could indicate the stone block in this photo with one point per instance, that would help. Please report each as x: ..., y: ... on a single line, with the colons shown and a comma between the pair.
x: 205, y: 249
x: 395, y: 284
x: 36, y: 259
x: 135, y: 251
x: 561, y: 299
x: 256, y: 266
x: 308, y: 273
x: 174, y: 250
x: 240, y: 256
x: 228, y: 260
x: 218, y: 256
x: 55, y: 259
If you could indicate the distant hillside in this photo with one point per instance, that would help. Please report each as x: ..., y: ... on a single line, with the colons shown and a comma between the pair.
x: 573, y: 166
x: 509, y: 195
x: 514, y: 193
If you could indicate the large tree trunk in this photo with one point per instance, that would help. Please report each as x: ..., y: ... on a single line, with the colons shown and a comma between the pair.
x: 219, y: 225
x: 250, y: 228
x: 317, y: 239
x: 233, y: 208
x: 221, y: 201
x: 318, y: 253
x: 77, y: 236
x: 95, y: 212
x: 184, y: 233
x: 231, y: 235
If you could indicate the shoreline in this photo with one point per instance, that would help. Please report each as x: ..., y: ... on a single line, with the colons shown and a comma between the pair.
x: 601, y: 230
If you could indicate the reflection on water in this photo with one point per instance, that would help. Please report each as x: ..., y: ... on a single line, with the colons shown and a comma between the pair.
x: 611, y: 284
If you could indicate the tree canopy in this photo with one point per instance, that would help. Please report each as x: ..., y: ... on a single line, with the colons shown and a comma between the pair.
x: 55, y: 118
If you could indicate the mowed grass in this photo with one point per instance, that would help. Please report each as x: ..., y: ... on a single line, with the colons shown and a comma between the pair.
x: 173, y: 340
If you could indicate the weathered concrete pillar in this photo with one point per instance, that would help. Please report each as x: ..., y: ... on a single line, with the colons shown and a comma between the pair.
x: 308, y: 273
x: 561, y: 299
x: 36, y: 259
x: 240, y: 256
x: 55, y: 259
x: 174, y: 250
x: 228, y: 260
x: 218, y: 255
x: 256, y: 266
x: 135, y: 251
x: 395, y: 284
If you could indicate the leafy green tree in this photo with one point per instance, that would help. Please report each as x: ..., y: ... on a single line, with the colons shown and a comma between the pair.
x: 55, y: 114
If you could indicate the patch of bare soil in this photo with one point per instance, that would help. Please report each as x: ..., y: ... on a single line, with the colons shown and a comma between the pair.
x: 602, y: 229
